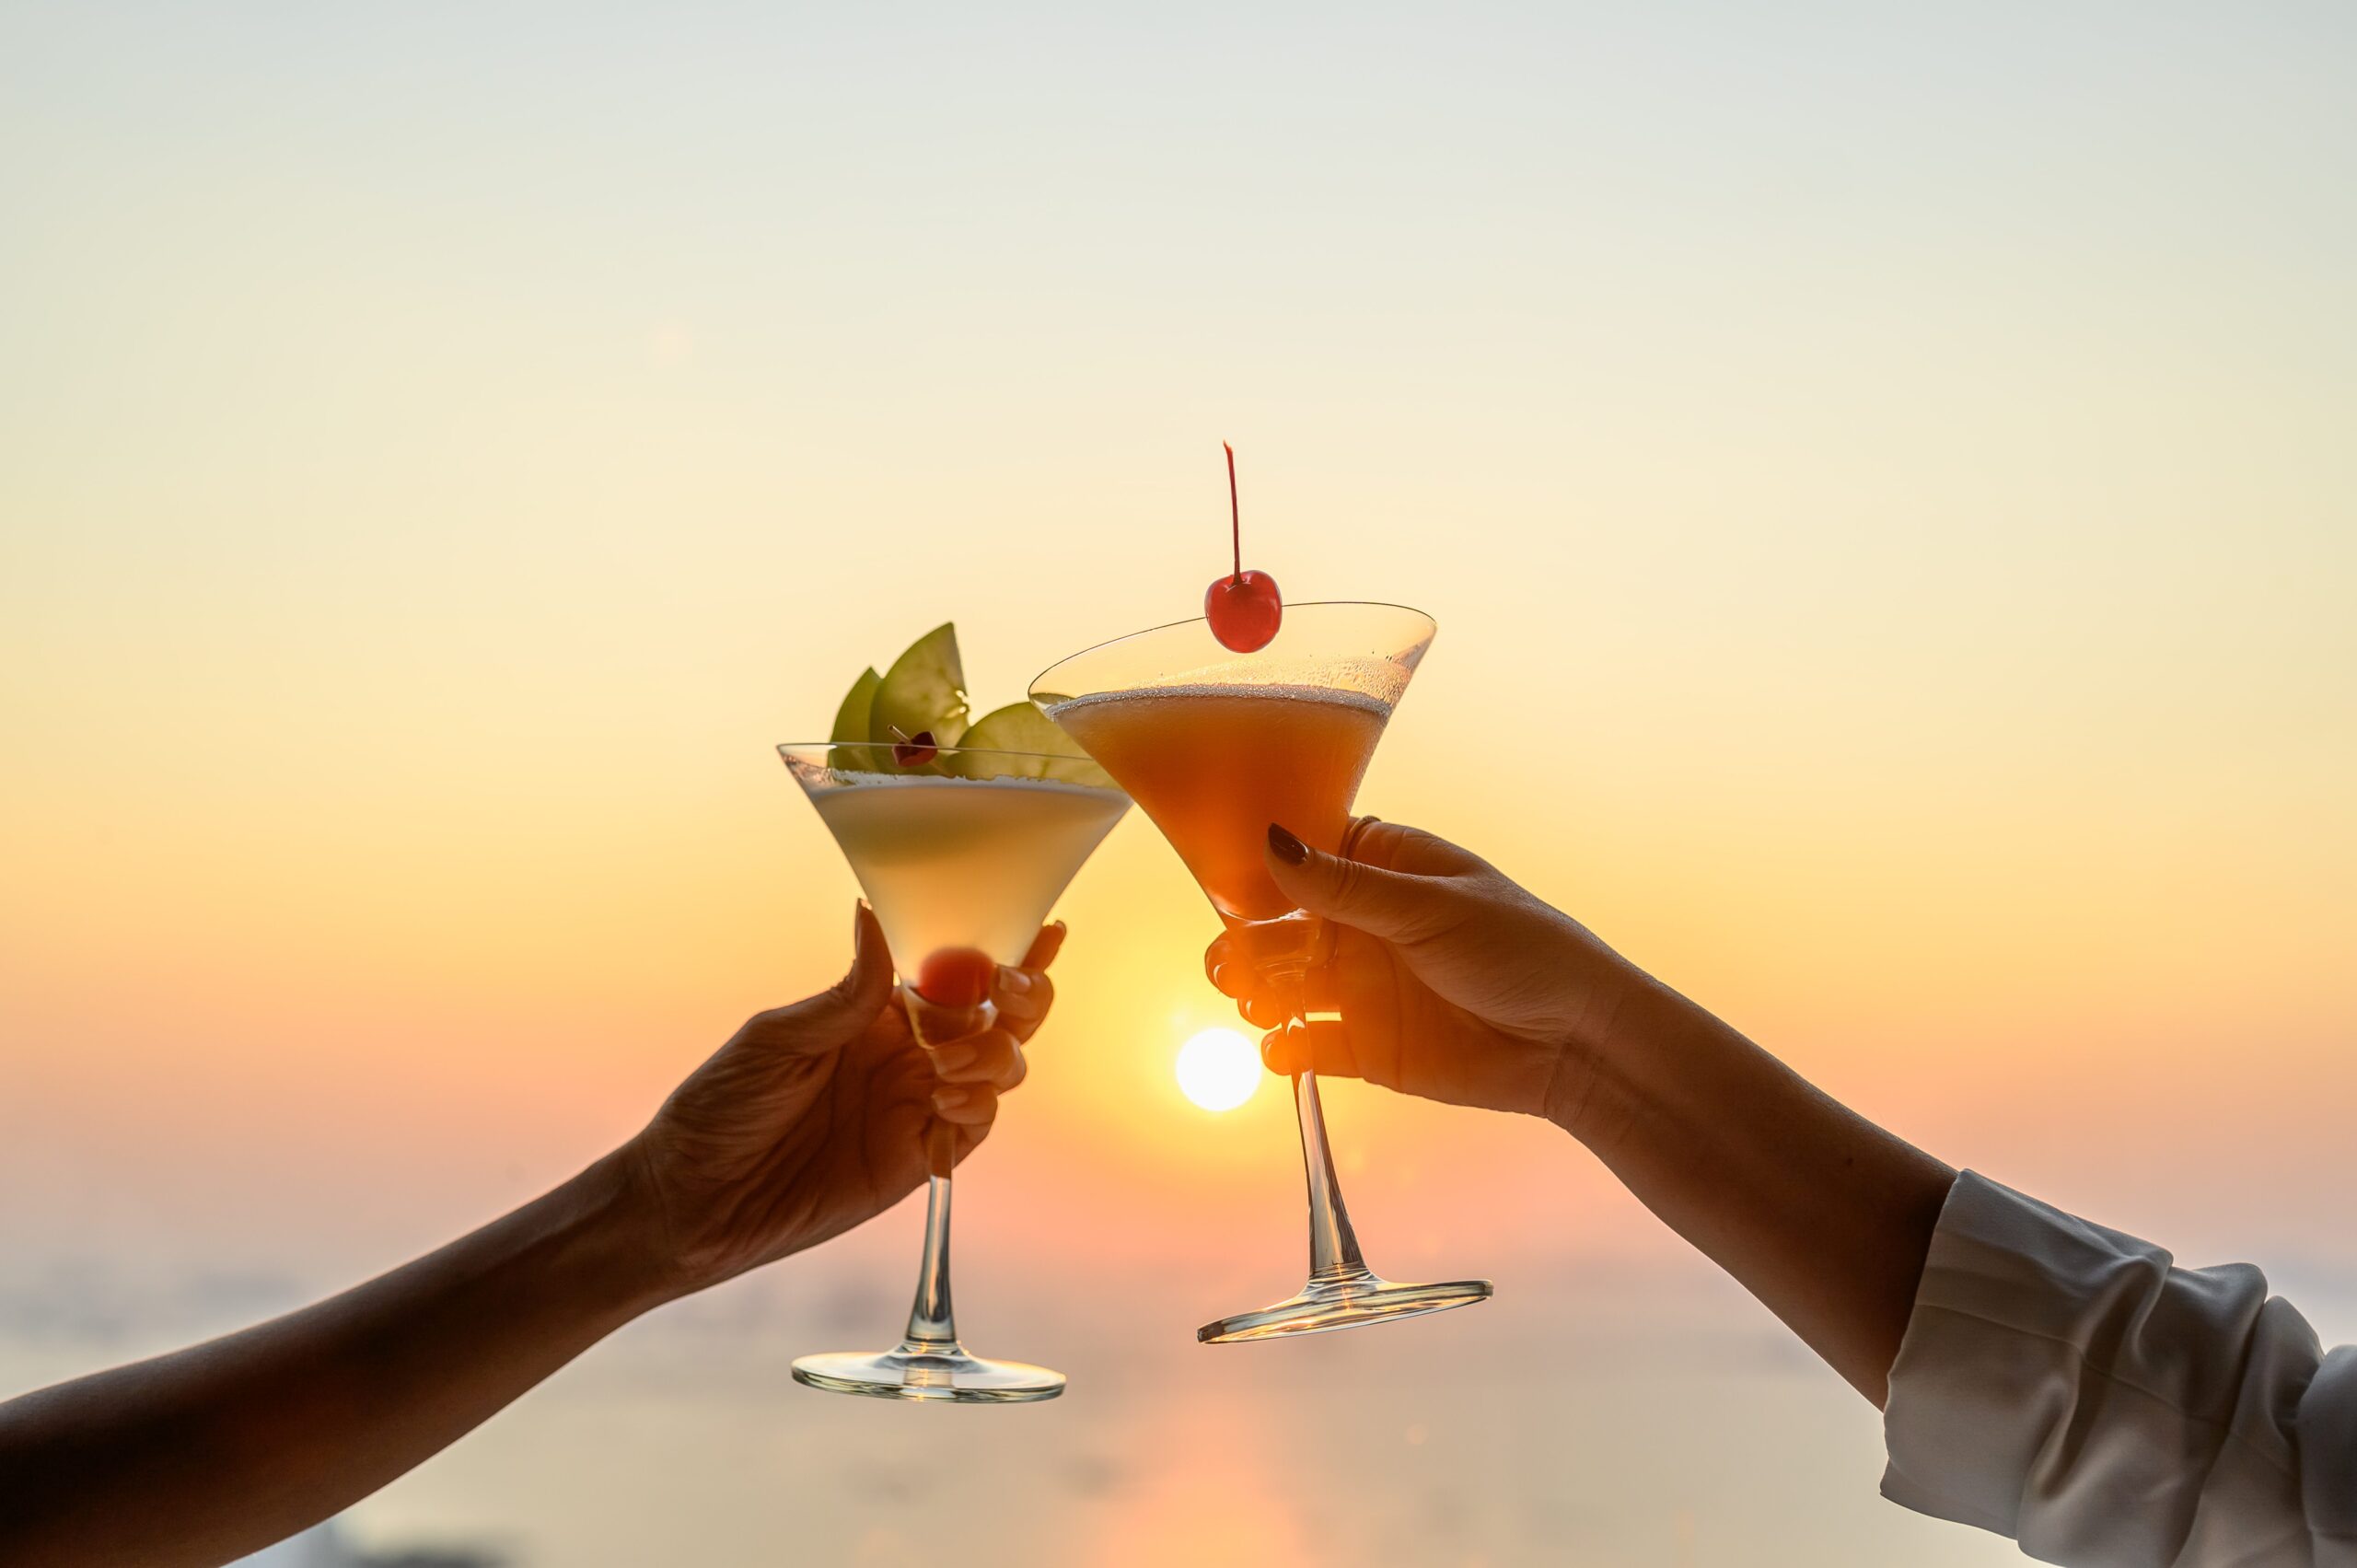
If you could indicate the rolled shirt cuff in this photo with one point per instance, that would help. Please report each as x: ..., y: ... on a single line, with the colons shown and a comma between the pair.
x: 2067, y: 1386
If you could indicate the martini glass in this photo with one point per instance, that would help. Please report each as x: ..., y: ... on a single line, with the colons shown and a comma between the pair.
x: 1215, y: 745
x: 974, y: 856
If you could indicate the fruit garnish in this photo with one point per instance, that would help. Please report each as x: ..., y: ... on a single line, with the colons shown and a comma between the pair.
x: 913, y: 718
x: 849, y: 752
x: 1244, y: 608
x: 923, y: 693
x: 1034, y: 748
x: 957, y: 977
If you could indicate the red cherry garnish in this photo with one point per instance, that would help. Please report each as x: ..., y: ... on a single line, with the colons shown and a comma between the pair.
x: 957, y: 977
x: 1244, y: 608
x: 916, y: 750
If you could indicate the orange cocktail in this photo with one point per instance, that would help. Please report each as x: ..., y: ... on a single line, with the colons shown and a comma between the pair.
x: 1216, y: 765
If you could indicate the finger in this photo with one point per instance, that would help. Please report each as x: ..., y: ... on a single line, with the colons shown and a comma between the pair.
x: 1234, y: 977
x: 1321, y: 1046
x: 1220, y: 954
x: 835, y: 1017
x: 1390, y: 904
x: 1046, y: 945
x: 964, y: 1141
x: 1394, y: 846
x: 966, y: 1104
x: 1266, y: 1012
x: 1250, y: 947
x: 1023, y: 995
x: 1321, y: 986
x: 993, y: 1057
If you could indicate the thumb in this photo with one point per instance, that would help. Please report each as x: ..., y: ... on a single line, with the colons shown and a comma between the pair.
x: 1392, y: 905
x: 834, y: 1017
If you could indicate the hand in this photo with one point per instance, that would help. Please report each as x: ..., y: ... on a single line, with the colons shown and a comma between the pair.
x: 814, y: 1116
x: 1453, y: 983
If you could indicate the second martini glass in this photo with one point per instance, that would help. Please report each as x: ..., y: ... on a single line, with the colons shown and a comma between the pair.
x: 1215, y: 745
x: 970, y: 854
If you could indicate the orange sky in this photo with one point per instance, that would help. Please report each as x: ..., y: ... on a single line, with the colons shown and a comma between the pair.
x: 1885, y: 490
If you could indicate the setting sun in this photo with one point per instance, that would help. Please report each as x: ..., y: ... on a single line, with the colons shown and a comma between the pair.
x: 1218, y: 1069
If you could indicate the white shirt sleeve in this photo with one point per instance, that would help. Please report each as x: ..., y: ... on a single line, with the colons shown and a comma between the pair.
x: 2068, y: 1387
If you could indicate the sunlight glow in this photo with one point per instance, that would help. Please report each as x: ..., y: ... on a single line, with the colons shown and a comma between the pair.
x: 1218, y: 1069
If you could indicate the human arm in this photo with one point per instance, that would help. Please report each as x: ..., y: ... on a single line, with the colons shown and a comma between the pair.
x: 2041, y: 1376
x: 810, y: 1119
x: 1454, y: 983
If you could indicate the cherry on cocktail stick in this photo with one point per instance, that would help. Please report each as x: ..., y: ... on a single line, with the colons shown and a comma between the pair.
x: 1243, y: 607
x: 957, y: 977
x: 914, y: 750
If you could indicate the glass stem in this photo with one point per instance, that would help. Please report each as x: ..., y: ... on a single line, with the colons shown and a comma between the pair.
x: 932, y: 1322
x: 1334, y: 1245
x: 1294, y: 944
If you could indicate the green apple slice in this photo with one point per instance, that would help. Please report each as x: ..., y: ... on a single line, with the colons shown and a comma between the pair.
x: 850, y: 751
x: 1039, y: 749
x: 925, y: 690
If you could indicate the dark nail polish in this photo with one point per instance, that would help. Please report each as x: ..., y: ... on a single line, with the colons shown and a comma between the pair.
x: 1287, y: 848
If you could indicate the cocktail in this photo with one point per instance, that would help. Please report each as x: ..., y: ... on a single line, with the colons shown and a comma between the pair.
x: 961, y: 850
x: 1215, y: 745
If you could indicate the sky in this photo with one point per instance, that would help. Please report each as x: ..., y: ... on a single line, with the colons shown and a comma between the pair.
x: 1882, y: 478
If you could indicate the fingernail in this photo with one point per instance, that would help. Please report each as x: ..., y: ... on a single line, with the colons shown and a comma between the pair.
x: 950, y: 1097
x: 1012, y: 981
x: 859, y: 927
x: 951, y: 1057
x: 1286, y: 847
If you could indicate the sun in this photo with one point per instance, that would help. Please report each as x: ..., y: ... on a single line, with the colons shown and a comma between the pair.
x: 1219, y: 1069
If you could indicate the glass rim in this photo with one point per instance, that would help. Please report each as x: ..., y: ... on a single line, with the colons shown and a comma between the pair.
x: 785, y: 747
x: 1201, y: 619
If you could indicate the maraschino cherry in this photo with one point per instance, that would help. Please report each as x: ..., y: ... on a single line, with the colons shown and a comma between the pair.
x: 1243, y: 607
x: 914, y: 750
x: 957, y: 977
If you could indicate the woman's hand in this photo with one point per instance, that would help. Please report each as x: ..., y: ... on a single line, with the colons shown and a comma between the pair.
x: 1452, y: 982
x: 813, y: 1117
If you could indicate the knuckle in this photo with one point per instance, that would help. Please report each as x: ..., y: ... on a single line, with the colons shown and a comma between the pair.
x: 767, y: 1024
x: 1376, y: 841
x: 1441, y: 912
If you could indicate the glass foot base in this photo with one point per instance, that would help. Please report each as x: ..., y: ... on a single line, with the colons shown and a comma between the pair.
x: 910, y: 1373
x: 1345, y: 1303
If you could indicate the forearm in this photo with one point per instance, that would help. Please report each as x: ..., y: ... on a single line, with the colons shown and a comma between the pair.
x: 1817, y: 1212
x: 202, y: 1455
